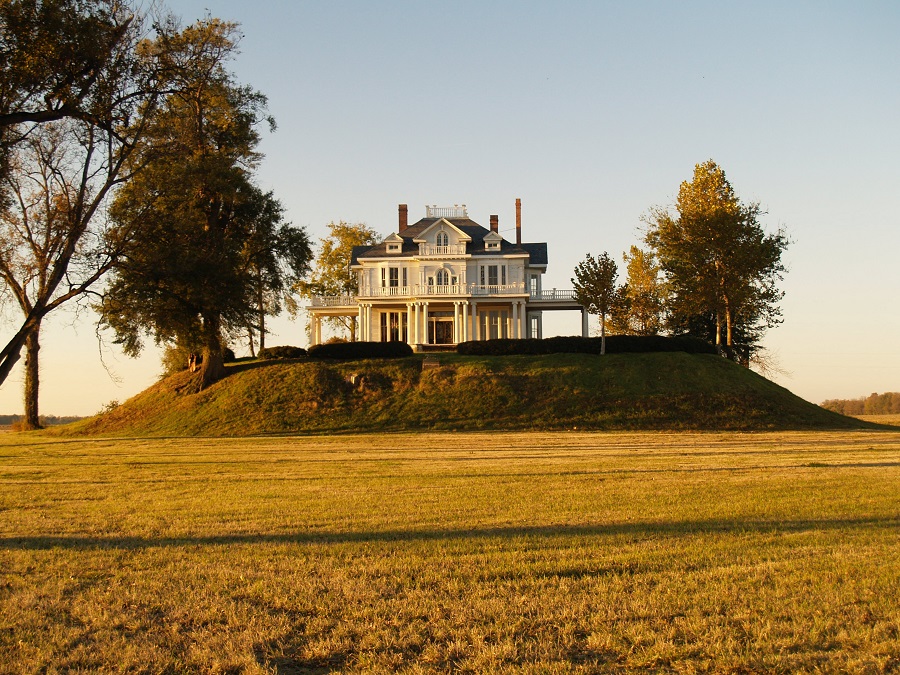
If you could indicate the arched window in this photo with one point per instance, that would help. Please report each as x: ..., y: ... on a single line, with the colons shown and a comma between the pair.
x: 443, y: 278
x: 443, y: 239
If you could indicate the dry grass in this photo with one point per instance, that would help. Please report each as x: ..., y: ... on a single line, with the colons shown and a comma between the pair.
x: 551, y: 552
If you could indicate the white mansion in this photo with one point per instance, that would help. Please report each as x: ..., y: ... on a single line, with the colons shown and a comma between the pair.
x: 444, y: 280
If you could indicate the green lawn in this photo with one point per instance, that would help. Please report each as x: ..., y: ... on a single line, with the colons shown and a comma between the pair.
x: 494, y: 552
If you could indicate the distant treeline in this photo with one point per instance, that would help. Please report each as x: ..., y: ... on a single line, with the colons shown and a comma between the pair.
x: 46, y: 420
x: 874, y: 404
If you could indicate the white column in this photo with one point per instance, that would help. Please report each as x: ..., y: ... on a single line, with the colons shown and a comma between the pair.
x: 409, y: 324
x: 584, y: 323
x: 476, y: 329
x: 515, y: 321
x: 369, y: 322
x: 316, y: 336
x: 523, y: 320
x: 465, y: 321
x: 360, y: 322
x: 425, y: 322
x: 457, y: 323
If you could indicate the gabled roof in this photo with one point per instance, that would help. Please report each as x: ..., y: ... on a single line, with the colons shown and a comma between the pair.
x: 536, y: 252
x: 440, y: 223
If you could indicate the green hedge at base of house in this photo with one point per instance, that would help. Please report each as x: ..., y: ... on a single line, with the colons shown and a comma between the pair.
x: 615, y: 344
x: 283, y: 352
x: 360, y: 350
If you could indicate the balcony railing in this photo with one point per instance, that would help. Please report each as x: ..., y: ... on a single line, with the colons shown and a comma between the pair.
x: 417, y: 291
x: 452, y: 249
x: 332, y: 300
x: 456, y: 211
x: 555, y: 294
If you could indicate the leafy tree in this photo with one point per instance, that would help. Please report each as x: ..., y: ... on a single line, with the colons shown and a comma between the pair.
x: 717, y: 260
x: 186, y: 277
x: 75, y: 95
x: 639, y: 309
x: 278, y: 256
x: 595, y: 288
x: 331, y: 273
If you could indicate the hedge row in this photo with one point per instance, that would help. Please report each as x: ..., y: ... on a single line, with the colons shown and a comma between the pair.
x: 615, y: 344
x: 360, y: 350
x: 283, y: 352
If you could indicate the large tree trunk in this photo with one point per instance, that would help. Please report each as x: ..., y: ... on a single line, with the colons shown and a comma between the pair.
x: 32, y: 380
x: 352, y: 329
x: 213, y: 368
x: 11, y: 352
x: 261, y: 308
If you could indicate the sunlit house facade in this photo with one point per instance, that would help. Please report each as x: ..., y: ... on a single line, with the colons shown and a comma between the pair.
x: 446, y: 279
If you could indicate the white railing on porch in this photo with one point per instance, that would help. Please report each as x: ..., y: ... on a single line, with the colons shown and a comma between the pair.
x: 555, y: 294
x: 332, y: 300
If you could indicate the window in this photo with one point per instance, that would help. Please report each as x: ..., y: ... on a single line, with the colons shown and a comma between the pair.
x: 503, y: 275
x: 493, y: 245
x: 443, y: 278
x: 443, y: 239
x: 393, y: 248
x: 404, y: 277
x: 492, y: 275
x: 393, y: 277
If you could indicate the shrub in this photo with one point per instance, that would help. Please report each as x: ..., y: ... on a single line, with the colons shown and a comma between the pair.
x: 360, y: 350
x: 284, y: 352
x: 615, y: 344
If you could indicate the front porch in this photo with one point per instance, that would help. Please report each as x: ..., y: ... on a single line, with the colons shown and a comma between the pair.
x: 443, y: 322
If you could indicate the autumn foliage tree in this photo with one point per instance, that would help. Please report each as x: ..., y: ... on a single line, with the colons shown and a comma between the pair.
x: 639, y: 308
x: 717, y: 260
x: 331, y: 274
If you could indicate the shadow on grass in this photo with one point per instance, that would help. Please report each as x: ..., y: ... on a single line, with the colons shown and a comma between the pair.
x: 638, y: 530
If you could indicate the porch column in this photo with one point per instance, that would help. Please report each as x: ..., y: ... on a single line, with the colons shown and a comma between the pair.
x: 369, y: 322
x: 316, y: 336
x: 457, y: 322
x: 425, y: 321
x: 523, y: 320
x: 465, y: 320
x: 361, y: 322
x: 515, y: 321
x: 584, y: 323
x: 476, y: 329
x: 409, y: 323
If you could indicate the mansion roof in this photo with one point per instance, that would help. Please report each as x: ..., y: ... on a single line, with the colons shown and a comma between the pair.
x: 536, y: 252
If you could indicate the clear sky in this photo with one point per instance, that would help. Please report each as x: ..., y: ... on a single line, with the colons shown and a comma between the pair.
x: 591, y: 113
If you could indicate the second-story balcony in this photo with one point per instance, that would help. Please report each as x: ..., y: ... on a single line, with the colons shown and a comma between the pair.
x: 428, y: 250
x: 418, y: 290
x: 548, y: 298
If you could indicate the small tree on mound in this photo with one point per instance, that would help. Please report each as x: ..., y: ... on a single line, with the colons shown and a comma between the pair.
x: 595, y: 288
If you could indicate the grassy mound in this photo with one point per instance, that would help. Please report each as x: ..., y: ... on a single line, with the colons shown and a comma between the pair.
x: 559, y: 391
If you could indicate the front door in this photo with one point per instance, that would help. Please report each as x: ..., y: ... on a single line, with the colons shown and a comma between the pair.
x: 441, y: 331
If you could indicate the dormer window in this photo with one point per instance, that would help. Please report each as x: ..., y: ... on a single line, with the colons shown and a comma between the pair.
x: 443, y: 239
x: 493, y: 245
x: 393, y: 248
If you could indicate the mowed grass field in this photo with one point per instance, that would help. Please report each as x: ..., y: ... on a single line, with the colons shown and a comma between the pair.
x: 473, y: 552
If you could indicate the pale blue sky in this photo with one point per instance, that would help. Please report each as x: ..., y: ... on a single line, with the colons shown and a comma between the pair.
x: 591, y: 113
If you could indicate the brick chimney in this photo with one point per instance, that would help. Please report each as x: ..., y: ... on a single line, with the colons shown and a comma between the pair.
x: 518, y: 222
x: 403, y: 219
x: 495, y: 223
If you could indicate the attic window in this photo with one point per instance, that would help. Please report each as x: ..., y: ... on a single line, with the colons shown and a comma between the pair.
x: 493, y: 244
x: 393, y: 248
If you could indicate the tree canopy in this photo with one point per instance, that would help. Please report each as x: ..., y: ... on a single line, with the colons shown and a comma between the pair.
x: 331, y: 274
x: 595, y: 288
x: 76, y: 92
x: 191, y: 270
x: 717, y: 259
